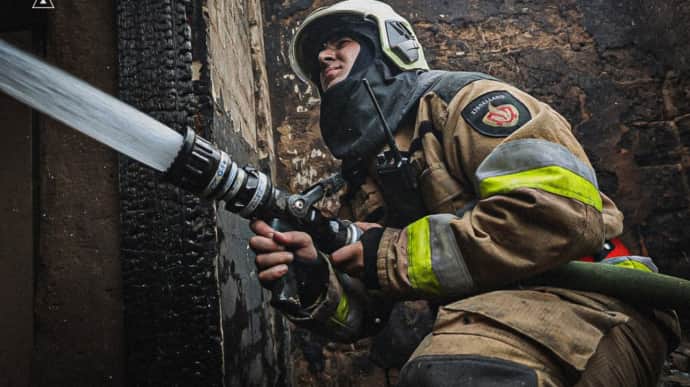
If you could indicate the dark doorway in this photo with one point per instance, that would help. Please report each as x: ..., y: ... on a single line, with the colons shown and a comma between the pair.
x: 16, y: 230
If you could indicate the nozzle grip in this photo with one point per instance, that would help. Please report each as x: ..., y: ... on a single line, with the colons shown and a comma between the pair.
x: 303, y: 283
x: 284, y: 292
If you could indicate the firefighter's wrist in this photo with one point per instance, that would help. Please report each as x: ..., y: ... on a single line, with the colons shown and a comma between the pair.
x: 370, y: 242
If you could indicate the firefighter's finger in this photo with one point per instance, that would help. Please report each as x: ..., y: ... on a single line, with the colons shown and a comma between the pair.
x: 297, y: 241
x: 265, y: 261
x: 259, y: 227
x: 261, y: 244
x: 266, y: 277
x: 349, y: 258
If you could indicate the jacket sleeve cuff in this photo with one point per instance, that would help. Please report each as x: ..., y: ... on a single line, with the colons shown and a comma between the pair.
x: 386, y: 260
x: 325, y: 305
x: 337, y: 313
x: 370, y: 241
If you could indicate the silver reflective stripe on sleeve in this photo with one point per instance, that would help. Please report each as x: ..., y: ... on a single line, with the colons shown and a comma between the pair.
x: 537, y: 164
x: 522, y: 155
x: 446, y: 259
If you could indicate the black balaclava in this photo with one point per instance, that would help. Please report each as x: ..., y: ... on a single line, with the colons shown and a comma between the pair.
x: 349, y: 122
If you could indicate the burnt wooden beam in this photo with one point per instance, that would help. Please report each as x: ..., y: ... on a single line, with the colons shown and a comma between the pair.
x: 169, y: 240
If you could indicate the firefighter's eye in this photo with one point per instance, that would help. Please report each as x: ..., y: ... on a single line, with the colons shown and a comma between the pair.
x: 342, y: 42
x: 336, y: 44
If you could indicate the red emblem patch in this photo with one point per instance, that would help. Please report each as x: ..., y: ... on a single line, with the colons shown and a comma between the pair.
x: 502, y: 116
x: 496, y: 114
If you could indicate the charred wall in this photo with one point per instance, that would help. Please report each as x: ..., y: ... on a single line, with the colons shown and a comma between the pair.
x: 618, y: 71
x: 195, y: 313
x: 169, y: 242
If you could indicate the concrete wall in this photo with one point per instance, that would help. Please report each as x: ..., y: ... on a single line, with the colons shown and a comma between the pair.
x: 618, y: 71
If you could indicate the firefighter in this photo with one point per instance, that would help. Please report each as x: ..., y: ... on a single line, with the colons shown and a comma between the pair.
x: 483, y: 186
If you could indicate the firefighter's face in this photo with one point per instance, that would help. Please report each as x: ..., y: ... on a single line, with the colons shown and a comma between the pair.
x: 336, y: 59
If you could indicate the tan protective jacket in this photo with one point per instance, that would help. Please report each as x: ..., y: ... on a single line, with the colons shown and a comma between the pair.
x: 509, y: 193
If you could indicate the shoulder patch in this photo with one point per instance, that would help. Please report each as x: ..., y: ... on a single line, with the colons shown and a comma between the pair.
x: 496, y: 114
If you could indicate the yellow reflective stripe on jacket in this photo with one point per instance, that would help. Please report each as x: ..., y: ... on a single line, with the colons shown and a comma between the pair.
x: 419, y: 268
x: 554, y: 179
x: 633, y: 265
x: 633, y: 262
x: 342, y: 311
x: 539, y: 164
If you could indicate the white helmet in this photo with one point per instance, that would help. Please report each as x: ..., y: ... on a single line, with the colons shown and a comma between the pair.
x: 396, y: 37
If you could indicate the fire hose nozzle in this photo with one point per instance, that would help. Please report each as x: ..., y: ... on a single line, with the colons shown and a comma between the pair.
x: 203, y: 169
x: 199, y: 167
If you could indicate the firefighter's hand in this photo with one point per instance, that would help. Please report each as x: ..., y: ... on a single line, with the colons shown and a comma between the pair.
x: 350, y: 258
x: 275, y: 250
